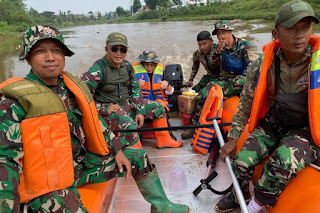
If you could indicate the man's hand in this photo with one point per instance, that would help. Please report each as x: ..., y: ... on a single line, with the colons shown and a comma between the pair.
x: 139, y: 120
x: 121, y: 160
x: 229, y: 148
x: 113, y: 108
x: 189, y: 83
x: 164, y: 84
x: 141, y: 82
x: 221, y: 45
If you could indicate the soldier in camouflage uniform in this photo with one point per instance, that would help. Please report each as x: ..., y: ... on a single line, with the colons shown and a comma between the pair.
x: 45, y: 51
x: 285, y: 129
x: 232, y: 55
x: 202, y: 56
x: 118, y: 97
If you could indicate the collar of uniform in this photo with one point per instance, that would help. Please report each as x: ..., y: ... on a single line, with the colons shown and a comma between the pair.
x: 204, y: 54
x: 307, y: 53
x: 109, y: 64
x: 32, y: 77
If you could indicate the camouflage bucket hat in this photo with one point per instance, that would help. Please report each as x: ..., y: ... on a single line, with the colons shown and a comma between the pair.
x: 292, y: 12
x: 117, y: 39
x: 37, y: 33
x: 149, y: 56
x: 221, y: 25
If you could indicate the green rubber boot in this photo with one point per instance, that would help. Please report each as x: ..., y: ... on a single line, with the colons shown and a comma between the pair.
x: 152, y: 191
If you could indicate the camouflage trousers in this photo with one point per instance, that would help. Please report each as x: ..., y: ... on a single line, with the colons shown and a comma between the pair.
x: 289, y: 151
x: 91, y: 168
x: 203, y: 82
x: 231, y: 86
x: 124, y: 118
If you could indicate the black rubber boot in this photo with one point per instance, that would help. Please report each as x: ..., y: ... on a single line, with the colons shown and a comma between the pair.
x: 188, y: 133
x: 227, y: 203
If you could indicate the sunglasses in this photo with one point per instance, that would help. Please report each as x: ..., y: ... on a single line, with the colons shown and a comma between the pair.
x: 122, y: 49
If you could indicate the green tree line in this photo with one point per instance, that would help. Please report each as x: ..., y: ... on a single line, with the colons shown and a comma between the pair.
x: 234, y: 9
x: 14, y: 16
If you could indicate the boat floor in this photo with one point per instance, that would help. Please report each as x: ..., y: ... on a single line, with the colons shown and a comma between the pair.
x: 128, y: 199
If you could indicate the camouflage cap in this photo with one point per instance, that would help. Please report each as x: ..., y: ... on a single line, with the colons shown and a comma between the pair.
x: 149, y: 56
x: 117, y: 39
x: 221, y: 25
x: 292, y: 12
x: 37, y: 33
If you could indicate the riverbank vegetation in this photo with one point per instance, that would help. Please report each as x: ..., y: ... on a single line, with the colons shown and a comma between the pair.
x: 15, y: 17
x: 235, y: 9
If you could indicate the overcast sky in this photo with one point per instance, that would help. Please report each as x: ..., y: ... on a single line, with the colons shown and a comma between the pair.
x: 79, y: 6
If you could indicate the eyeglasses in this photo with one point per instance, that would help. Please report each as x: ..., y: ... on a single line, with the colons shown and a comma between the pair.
x: 122, y: 49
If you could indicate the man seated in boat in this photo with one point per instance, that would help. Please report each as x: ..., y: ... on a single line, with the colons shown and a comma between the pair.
x: 202, y: 56
x: 231, y: 55
x: 52, y: 139
x: 153, y: 82
x: 275, y: 99
x: 151, y: 78
x: 118, y: 97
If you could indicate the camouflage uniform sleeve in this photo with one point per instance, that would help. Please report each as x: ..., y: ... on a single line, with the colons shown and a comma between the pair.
x: 240, y: 119
x: 93, y: 77
x: 114, y: 142
x: 246, y: 46
x: 136, y: 96
x: 195, y: 66
x: 11, y: 115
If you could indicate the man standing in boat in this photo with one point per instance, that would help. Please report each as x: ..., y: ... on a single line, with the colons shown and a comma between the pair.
x: 118, y: 97
x: 275, y: 99
x: 52, y: 139
x: 231, y: 55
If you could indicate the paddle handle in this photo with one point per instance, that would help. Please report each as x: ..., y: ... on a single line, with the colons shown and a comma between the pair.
x: 235, y: 182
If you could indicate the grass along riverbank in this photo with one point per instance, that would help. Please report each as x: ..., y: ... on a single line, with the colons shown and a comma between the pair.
x: 235, y: 9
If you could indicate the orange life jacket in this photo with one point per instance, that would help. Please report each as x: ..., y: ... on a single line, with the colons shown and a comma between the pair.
x: 48, y: 161
x: 260, y: 101
x: 202, y: 137
x: 156, y: 93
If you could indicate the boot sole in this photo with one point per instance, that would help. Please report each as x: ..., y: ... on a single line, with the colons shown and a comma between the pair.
x: 165, y: 147
x: 224, y: 211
